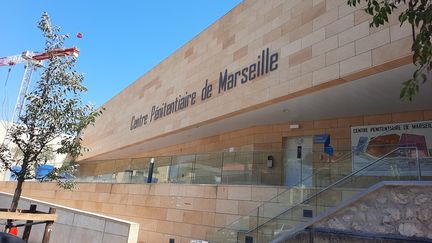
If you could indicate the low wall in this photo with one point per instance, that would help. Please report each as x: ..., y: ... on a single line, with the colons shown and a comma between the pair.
x: 164, y: 211
x: 76, y: 225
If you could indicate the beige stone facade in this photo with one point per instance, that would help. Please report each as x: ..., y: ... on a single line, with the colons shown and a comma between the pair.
x: 163, y: 211
x: 320, y: 45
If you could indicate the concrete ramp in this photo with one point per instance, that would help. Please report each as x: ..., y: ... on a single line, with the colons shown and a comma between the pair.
x: 75, y: 225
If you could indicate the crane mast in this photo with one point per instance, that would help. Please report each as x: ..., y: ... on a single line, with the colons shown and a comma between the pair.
x: 31, y: 61
x: 25, y: 82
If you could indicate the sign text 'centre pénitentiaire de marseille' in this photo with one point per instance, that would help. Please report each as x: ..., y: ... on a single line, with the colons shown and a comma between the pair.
x: 265, y: 64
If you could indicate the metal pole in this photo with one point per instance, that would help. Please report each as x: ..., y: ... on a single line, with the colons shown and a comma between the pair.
x: 193, y: 178
x: 418, y: 165
x: 222, y: 164
x: 258, y: 209
x: 258, y: 224
x: 301, y: 171
x: 150, y: 172
x: 315, y: 189
x: 170, y: 169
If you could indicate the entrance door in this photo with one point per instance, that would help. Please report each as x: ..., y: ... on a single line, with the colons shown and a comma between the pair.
x: 298, y: 160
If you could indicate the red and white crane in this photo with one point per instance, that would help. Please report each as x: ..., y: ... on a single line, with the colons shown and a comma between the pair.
x: 31, y: 60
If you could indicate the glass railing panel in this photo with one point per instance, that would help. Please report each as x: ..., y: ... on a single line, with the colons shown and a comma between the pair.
x: 394, y: 168
x: 374, y: 150
x: 123, y: 170
x: 290, y: 196
x: 277, y: 205
x: 182, y: 169
x: 97, y: 171
x: 325, y: 178
x: 246, y: 222
x: 161, y: 169
x: 265, y: 171
x: 208, y: 168
x: 301, y: 192
x: 400, y: 164
x: 426, y: 167
x: 267, y: 231
x: 268, y: 211
x: 238, y: 168
x: 140, y: 168
x: 332, y: 172
x: 327, y: 170
x: 298, y: 165
x: 224, y: 236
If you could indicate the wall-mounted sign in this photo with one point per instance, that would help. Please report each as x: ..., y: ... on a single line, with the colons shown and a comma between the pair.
x: 372, y: 142
x: 266, y: 62
x: 325, y: 140
x: 321, y: 139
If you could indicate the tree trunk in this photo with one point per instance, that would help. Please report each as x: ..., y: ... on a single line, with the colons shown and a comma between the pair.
x: 20, y: 181
x: 15, y: 200
x: 17, y: 194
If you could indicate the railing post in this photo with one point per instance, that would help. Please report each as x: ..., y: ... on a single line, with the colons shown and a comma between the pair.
x: 48, y: 227
x: 170, y: 169
x: 315, y: 190
x: 194, y: 170
x: 256, y: 165
x: 222, y: 165
x: 257, y: 229
x: 301, y: 170
x: 418, y: 165
x: 27, y: 229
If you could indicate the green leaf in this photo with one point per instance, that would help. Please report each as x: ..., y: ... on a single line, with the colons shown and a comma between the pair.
x: 53, y: 110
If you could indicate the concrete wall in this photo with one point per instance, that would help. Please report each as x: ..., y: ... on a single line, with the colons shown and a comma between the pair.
x: 163, y: 211
x: 74, y: 225
x: 321, y: 43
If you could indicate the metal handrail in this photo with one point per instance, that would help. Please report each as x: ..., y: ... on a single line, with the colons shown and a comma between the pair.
x: 335, y: 183
x: 301, y: 182
x: 347, y: 155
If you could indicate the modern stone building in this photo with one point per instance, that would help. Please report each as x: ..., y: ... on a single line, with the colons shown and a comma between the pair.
x: 276, y: 101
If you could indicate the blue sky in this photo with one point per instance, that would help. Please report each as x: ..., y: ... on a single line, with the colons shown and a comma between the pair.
x: 122, y: 40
